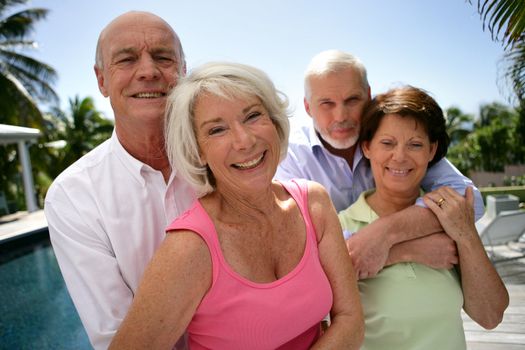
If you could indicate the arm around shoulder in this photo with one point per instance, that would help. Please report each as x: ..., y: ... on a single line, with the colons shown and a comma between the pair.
x: 444, y: 173
x: 347, y: 326
x: 370, y: 248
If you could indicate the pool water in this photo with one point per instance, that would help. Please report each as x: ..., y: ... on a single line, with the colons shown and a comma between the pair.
x: 36, y: 311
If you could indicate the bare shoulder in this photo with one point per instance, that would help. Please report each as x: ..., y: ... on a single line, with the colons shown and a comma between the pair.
x: 322, y: 211
x: 318, y: 196
x: 183, y: 249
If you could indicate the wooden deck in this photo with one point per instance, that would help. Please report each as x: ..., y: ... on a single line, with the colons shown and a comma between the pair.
x: 510, y: 334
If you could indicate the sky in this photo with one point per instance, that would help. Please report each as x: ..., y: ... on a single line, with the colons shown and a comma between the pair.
x: 437, y: 45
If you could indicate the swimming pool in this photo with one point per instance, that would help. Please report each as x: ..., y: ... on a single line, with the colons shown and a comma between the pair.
x: 36, y: 311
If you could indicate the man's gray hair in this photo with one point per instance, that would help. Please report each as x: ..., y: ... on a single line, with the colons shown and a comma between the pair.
x: 333, y: 61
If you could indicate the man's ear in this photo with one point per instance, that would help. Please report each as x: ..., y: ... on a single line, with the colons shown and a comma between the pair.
x: 307, y: 106
x: 100, y: 80
x: 184, y: 71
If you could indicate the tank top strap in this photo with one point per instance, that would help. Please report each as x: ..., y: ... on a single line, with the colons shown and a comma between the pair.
x: 298, y: 189
x: 197, y: 220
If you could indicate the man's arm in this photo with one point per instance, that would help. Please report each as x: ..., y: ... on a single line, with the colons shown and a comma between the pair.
x: 89, y: 268
x: 437, y: 251
x: 370, y: 246
x: 409, y: 224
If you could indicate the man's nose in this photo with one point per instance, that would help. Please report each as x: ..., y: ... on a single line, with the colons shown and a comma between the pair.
x: 341, y: 113
x: 147, y: 68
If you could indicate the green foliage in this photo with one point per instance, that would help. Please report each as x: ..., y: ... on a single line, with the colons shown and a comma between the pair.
x: 514, y: 180
x: 495, y: 141
x: 82, y: 128
x: 458, y: 124
x: 66, y: 136
x: 24, y: 81
x: 505, y: 20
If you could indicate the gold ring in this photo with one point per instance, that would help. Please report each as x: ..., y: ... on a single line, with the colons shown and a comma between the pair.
x: 440, y: 202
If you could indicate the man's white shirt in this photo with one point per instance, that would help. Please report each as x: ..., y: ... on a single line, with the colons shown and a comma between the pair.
x: 107, y: 215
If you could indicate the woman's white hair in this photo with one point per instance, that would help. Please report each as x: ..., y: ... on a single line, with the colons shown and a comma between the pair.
x: 228, y: 80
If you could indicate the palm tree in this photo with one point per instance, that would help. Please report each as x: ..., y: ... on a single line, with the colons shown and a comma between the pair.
x: 505, y: 19
x: 459, y: 125
x: 24, y: 81
x: 82, y: 128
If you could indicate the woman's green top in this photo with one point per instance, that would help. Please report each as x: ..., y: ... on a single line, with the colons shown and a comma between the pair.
x: 407, y: 305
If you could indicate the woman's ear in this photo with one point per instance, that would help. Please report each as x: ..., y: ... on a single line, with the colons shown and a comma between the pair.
x: 365, y: 146
x: 202, y: 159
x: 433, y: 150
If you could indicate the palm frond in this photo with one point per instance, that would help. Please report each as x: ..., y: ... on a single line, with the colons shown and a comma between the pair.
x: 511, y: 72
x: 17, y: 44
x: 36, y: 76
x: 6, y: 4
x: 21, y: 23
x: 505, y: 19
x: 16, y: 105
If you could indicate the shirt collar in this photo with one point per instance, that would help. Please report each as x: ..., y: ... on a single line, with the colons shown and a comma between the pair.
x: 358, y: 156
x: 135, y: 166
x: 360, y: 210
x: 315, y: 143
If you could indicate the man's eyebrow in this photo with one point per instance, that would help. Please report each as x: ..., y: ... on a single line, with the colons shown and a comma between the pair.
x: 154, y: 51
x: 126, y: 50
x: 163, y: 50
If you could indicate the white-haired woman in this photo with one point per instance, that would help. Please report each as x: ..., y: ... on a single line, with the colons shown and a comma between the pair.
x: 254, y: 263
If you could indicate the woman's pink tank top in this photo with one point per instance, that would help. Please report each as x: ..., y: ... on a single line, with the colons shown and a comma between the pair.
x: 240, y: 314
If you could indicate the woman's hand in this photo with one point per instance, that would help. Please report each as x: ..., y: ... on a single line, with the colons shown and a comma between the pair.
x: 454, y: 211
x: 485, y: 296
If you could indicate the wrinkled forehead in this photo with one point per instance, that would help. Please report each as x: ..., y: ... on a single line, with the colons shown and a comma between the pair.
x: 136, y: 32
x: 341, y: 83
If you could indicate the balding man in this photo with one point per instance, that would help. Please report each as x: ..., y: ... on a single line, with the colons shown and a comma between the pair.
x: 107, y: 212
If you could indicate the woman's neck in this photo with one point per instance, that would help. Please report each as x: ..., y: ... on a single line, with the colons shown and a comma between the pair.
x: 234, y: 207
x: 384, y: 203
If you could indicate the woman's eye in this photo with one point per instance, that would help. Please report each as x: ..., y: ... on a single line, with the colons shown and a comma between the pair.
x: 253, y: 116
x: 216, y: 130
x: 416, y: 145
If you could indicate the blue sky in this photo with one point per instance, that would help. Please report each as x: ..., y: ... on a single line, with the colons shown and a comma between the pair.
x: 438, y: 45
